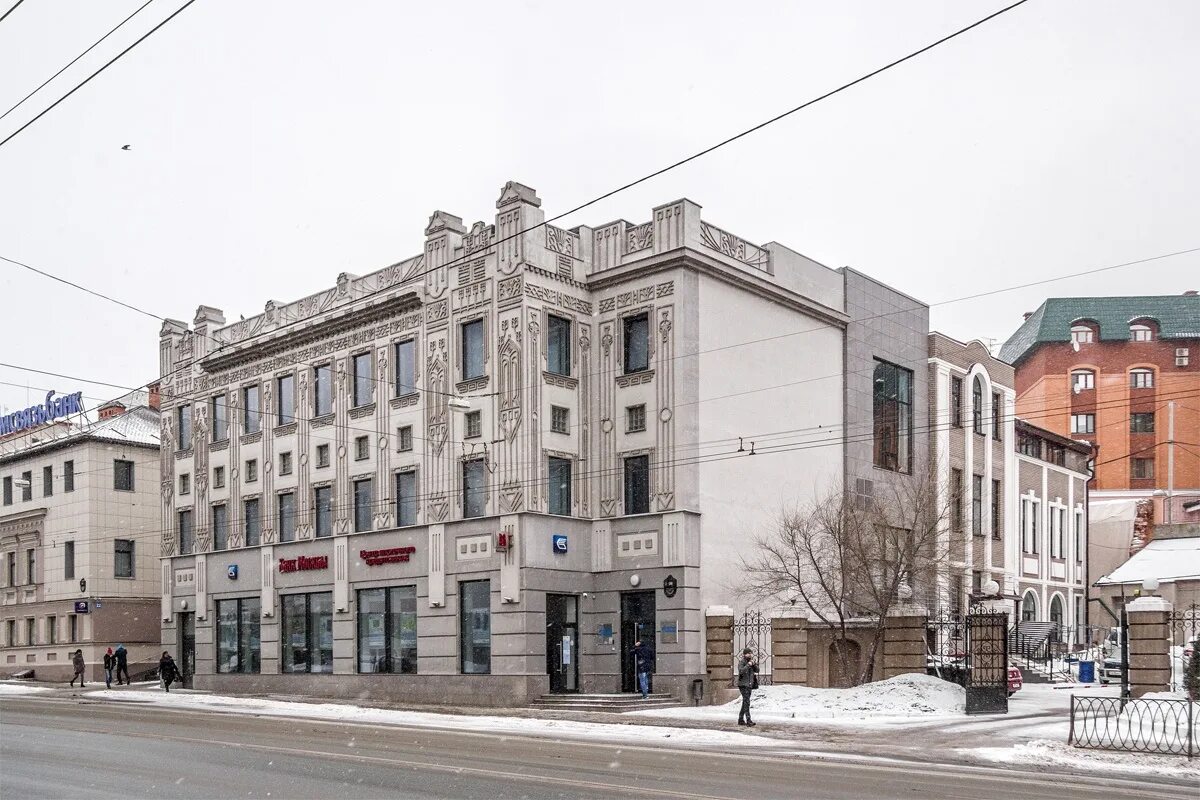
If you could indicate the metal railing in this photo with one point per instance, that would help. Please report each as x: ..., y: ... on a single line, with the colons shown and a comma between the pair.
x: 1052, y: 649
x: 1165, y: 727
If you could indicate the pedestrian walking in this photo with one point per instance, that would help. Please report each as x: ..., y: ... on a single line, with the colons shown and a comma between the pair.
x: 122, y: 664
x: 110, y: 663
x: 643, y: 660
x: 167, y: 670
x: 746, y: 682
x: 80, y: 665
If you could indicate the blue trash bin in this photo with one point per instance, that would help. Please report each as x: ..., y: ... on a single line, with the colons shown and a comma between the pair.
x: 1087, y: 671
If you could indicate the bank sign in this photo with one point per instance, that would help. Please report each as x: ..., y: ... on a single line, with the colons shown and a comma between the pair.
x: 32, y: 417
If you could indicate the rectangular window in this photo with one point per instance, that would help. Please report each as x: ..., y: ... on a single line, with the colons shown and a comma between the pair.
x: 238, y: 643
x: 1056, y: 454
x: 322, y: 390
x: 31, y: 566
x: 1142, y: 468
x: 977, y: 505
x: 387, y: 630
x: 956, y: 411
x: 253, y: 521
x: 68, y: 476
x: 122, y: 475
x: 218, y: 408
x: 474, y: 425
x: 635, y: 418
x: 1035, y: 509
x: 251, y: 409
x: 637, y: 343
x: 220, y: 525
x: 306, y: 635
x: 73, y: 628
x: 956, y: 498
x: 1083, y: 423
x: 31, y: 631
x: 285, y: 394
x: 1078, y: 537
x: 123, y: 558
x: 559, y: 490
x: 1141, y: 422
x: 1141, y: 379
x: 8, y: 490
x: 637, y: 485
x: 26, y: 486
x: 472, y: 349
x: 558, y: 345
x: 286, y: 516
x: 559, y: 419
x: 47, y: 481
x: 474, y: 477
x: 251, y: 470
x: 1082, y: 380
x: 406, y: 498
x: 322, y: 456
x: 51, y: 630
x: 323, y: 508
x: 183, y: 425
x: 404, y: 438
x: 475, y: 627
x: 12, y: 569
x: 362, y: 448
x: 69, y: 561
x: 184, y: 526
x: 218, y: 477
x: 185, y: 484
x: 285, y: 463
x: 10, y: 632
x: 1054, y: 553
x: 364, y: 497
x: 997, y: 416
x: 893, y: 417
x: 361, y: 394
x: 406, y: 367
x: 997, y: 523
x: 1061, y: 533
x: 977, y: 405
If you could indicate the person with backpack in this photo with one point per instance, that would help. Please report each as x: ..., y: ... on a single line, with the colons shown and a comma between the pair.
x: 122, y: 656
x: 110, y: 663
x: 747, y: 681
x: 167, y: 670
x: 80, y: 666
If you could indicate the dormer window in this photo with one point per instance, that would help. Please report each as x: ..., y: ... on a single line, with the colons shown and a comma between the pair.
x: 1141, y: 333
x: 1082, y: 380
x: 1082, y: 334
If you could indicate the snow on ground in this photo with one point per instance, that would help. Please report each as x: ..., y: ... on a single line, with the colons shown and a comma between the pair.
x: 338, y: 712
x: 906, y: 697
x: 21, y: 688
x: 1045, y: 752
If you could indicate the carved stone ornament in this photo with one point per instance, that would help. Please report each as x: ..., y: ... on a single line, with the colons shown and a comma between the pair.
x: 514, y: 192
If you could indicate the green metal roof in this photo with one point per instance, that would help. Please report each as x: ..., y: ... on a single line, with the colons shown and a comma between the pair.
x: 1178, y: 317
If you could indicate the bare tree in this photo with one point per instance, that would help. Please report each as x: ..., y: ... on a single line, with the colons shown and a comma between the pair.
x: 850, y: 559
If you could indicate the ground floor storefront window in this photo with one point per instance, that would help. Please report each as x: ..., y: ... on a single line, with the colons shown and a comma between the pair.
x: 387, y: 630
x: 475, y: 627
x: 306, y: 641
x: 238, y: 648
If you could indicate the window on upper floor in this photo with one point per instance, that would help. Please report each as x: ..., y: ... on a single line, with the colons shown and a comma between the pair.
x: 69, y: 560
x: 1141, y: 333
x: 474, y: 488
x: 218, y: 410
x: 636, y: 331
x: 68, y: 476
x: 977, y: 505
x: 956, y: 407
x: 892, y: 409
x: 184, y: 528
x: 285, y: 463
x: 474, y: 424
x: 472, y: 349
x: 8, y: 490
x: 1082, y: 334
x: 558, y: 345
x: 220, y: 527
x: 406, y: 367
x: 122, y: 475
x: 1056, y: 454
x: 322, y: 390
x: 1141, y: 422
x: 185, y: 483
x: 1029, y: 445
x: 47, y: 481
x: 285, y: 398
x: 251, y: 409
x: 637, y: 485
x: 404, y: 438
x: 362, y: 448
x: 26, y: 486
x: 977, y: 404
x: 997, y: 495
x: 183, y: 426
x: 559, y: 419
x: 956, y: 499
x: 635, y: 418
x: 364, y: 500
x: 1141, y: 379
x: 997, y: 416
x: 406, y: 498
x: 218, y: 477
x: 1142, y: 468
x: 361, y: 388
x: 285, y: 516
x: 1083, y: 423
x: 1082, y: 380
x: 251, y: 470
x: 322, y: 456
x: 559, y: 489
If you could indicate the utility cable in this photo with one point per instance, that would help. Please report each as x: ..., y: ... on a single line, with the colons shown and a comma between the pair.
x: 14, y: 8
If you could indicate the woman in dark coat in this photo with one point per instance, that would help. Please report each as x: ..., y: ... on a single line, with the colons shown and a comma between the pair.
x: 167, y: 670
x: 80, y: 666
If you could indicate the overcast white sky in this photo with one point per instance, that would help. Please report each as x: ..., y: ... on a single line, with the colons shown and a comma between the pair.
x: 276, y: 144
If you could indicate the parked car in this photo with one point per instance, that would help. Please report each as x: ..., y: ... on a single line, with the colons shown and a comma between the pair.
x: 1111, y: 670
x: 954, y: 669
x: 1015, y: 681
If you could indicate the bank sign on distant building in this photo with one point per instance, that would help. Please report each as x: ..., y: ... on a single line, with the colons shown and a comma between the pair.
x: 52, y: 409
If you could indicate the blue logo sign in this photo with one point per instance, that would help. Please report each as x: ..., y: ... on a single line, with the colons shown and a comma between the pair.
x: 232, y: 572
x: 99, y: 605
x: 52, y: 409
x: 81, y: 606
x: 560, y: 542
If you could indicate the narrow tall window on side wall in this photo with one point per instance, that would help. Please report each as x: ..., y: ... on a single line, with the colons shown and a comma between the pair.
x: 997, y: 416
x: 406, y: 498
x: 184, y: 526
x: 406, y: 367
x: 636, y: 331
x: 475, y: 627
x: 637, y: 485
x: 977, y: 405
x: 472, y: 349
x: 474, y: 487
x: 322, y: 390
x: 956, y: 406
x: 285, y: 399
x: 361, y: 364
x: 893, y: 417
x: 251, y: 409
x: 183, y: 426
x: 219, y: 414
x: 558, y: 345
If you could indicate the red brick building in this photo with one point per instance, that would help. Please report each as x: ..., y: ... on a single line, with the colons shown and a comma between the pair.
x: 1110, y: 370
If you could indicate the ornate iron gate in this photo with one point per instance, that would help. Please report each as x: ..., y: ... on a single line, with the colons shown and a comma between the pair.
x: 753, y: 629
x: 987, y: 661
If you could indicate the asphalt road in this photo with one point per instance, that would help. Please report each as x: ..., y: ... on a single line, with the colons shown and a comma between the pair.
x: 88, y: 750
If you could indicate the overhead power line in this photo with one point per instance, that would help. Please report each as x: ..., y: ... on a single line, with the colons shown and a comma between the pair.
x: 14, y: 8
x: 71, y: 63
x: 86, y: 80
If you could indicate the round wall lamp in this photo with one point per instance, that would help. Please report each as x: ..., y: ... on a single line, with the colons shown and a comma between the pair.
x: 634, y: 580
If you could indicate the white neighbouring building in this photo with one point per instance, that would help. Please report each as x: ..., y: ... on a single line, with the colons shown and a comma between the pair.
x: 332, y: 524
x: 79, y: 539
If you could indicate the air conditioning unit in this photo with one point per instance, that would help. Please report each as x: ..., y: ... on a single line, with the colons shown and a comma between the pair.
x: 1181, y: 356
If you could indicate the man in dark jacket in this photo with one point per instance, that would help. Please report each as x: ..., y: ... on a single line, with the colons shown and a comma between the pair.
x: 167, y: 670
x: 643, y: 660
x: 122, y: 663
x: 747, y: 677
x: 110, y: 663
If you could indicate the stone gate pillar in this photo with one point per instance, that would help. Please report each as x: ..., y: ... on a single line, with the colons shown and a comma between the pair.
x: 1149, y: 650
x: 718, y: 662
x: 789, y: 647
x: 904, y: 641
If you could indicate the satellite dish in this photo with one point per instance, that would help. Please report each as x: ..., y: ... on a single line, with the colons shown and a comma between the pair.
x: 1075, y: 388
x: 1075, y: 345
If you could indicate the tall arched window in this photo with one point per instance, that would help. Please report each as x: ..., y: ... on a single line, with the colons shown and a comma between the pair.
x: 1029, y: 607
x: 977, y: 403
x: 1056, y: 610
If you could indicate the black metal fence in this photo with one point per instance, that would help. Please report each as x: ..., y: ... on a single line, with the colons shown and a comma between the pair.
x: 1183, y: 628
x: 753, y: 629
x: 1165, y: 727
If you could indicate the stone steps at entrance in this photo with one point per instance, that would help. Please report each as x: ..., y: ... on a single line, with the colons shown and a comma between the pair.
x: 614, y: 703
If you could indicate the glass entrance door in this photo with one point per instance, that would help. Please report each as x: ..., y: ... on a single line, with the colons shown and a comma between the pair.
x: 187, y: 648
x: 637, y: 624
x: 562, y: 642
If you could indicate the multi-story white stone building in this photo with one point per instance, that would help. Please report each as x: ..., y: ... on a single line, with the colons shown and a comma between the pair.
x: 488, y: 469
x: 79, y: 539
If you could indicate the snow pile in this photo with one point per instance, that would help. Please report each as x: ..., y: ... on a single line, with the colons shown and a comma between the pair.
x: 21, y: 688
x: 1044, y: 752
